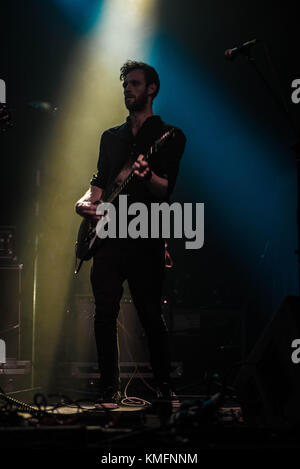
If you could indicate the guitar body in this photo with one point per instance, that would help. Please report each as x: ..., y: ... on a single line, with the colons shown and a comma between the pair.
x: 87, y: 240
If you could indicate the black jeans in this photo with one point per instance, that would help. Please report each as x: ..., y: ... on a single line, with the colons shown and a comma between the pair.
x: 141, y: 262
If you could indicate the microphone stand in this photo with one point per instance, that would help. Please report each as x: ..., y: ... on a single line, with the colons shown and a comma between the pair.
x: 282, y: 104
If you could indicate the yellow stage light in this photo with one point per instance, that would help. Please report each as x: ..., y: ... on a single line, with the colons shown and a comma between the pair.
x: 91, y: 101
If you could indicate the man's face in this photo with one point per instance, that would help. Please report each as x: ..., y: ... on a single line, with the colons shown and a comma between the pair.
x: 135, y: 90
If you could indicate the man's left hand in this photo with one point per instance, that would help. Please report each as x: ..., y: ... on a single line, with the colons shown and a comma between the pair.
x: 141, y: 168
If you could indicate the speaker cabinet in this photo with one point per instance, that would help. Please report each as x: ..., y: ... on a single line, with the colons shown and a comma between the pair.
x: 81, y: 345
x: 10, y: 309
x: 132, y: 339
x: 268, y: 383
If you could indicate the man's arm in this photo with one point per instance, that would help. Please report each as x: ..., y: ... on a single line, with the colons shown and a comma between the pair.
x: 156, y: 184
x: 87, y: 205
x: 161, y: 181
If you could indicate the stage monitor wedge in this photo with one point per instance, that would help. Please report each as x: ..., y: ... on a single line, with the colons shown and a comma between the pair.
x: 268, y: 383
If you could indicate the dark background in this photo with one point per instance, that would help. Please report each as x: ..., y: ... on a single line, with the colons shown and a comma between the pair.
x: 247, y: 264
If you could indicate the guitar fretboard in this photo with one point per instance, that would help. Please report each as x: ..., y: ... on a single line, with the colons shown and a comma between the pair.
x: 153, y: 149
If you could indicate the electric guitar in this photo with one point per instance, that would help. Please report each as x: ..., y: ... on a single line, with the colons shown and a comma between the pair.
x: 87, y: 239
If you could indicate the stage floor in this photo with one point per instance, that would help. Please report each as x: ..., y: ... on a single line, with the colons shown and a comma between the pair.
x: 186, y: 425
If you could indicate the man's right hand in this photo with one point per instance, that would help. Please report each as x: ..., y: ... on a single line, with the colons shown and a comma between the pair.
x: 87, y: 209
x: 87, y: 205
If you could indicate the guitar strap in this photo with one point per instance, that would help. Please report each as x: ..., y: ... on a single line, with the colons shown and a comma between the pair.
x: 168, y: 259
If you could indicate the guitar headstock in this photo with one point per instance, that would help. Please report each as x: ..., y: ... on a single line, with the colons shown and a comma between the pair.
x: 5, y: 118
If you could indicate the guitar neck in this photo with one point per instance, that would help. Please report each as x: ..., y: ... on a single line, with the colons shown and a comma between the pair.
x: 153, y: 149
x: 126, y: 181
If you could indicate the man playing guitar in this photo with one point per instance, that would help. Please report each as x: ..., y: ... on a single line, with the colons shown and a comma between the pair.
x: 140, y: 261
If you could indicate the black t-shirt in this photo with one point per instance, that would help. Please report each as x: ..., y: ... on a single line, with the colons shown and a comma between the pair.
x: 119, y: 146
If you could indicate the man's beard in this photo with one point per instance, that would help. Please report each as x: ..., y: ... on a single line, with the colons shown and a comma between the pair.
x: 138, y: 104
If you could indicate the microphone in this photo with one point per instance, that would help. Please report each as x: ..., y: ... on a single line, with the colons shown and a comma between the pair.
x: 231, y: 54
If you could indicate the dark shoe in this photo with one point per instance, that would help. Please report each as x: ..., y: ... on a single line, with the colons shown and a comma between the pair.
x: 109, y: 398
x: 164, y: 391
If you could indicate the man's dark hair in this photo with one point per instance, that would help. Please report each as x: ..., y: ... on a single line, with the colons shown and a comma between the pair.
x: 151, y: 75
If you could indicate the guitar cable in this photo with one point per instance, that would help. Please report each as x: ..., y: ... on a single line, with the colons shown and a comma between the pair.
x: 133, y: 401
x: 22, y: 405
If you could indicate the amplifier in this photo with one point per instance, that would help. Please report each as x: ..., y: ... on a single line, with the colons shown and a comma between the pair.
x: 15, y: 367
x: 15, y: 374
x: 83, y: 370
x: 81, y: 346
x: 11, y: 309
x: 7, y: 237
x: 208, y: 340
